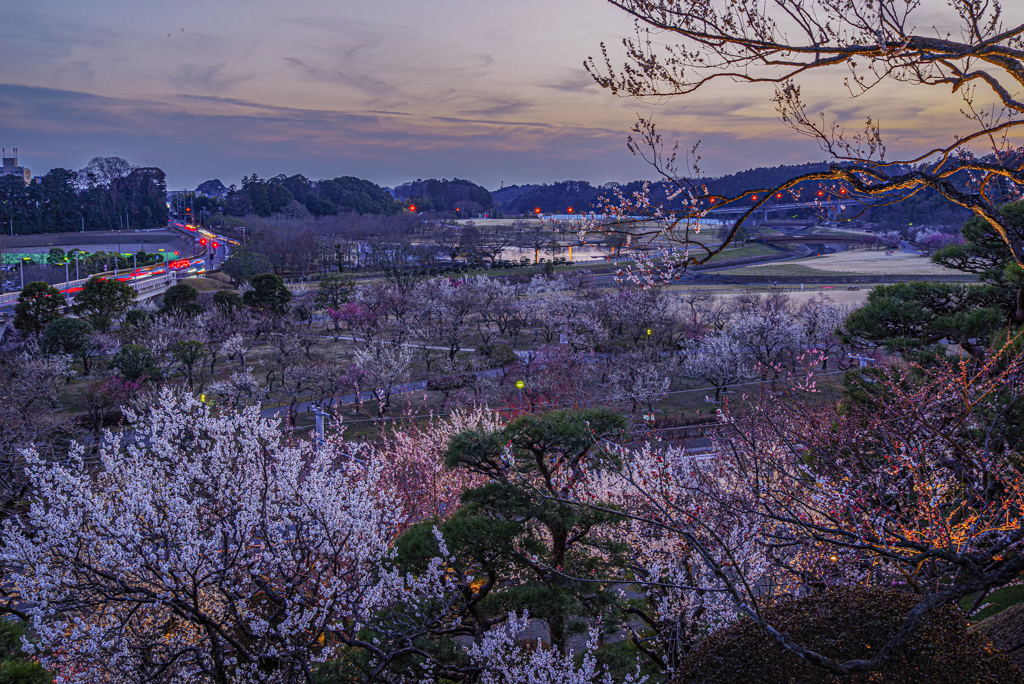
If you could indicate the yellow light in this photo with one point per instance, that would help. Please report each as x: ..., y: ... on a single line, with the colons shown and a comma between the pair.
x: 202, y: 398
x: 520, y: 384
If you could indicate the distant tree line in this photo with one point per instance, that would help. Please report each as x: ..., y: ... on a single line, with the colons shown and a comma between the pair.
x: 109, y: 193
x: 345, y: 194
x: 454, y: 196
x: 924, y: 208
x: 555, y: 198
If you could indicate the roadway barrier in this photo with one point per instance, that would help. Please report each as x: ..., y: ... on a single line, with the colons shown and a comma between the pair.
x: 142, y: 287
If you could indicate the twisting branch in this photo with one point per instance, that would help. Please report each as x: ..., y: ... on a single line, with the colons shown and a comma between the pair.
x: 681, y: 46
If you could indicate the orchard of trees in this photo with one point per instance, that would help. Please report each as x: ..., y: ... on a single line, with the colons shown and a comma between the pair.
x: 201, y: 541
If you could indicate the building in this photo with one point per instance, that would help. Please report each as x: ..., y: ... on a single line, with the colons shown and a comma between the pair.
x: 11, y: 168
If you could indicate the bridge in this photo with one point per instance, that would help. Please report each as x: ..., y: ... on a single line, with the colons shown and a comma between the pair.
x: 150, y: 281
x: 833, y: 208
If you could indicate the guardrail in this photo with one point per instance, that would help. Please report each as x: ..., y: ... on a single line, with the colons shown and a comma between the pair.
x: 141, y: 286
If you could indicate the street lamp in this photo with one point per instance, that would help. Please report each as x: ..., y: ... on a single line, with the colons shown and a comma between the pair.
x: 520, y: 385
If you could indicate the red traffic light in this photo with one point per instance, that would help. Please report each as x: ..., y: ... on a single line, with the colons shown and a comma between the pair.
x: 215, y: 245
x: 202, y: 241
x: 412, y: 207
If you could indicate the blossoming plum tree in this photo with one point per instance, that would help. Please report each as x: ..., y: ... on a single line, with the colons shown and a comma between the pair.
x: 205, y: 549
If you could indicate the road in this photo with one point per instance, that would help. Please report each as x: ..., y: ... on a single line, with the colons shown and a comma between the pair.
x: 211, y: 250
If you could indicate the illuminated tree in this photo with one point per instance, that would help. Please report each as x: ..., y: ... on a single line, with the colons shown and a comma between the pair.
x: 916, y: 484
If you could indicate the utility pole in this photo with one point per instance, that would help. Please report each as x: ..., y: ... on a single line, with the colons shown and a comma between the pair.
x: 12, y: 227
x: 83, y: 225
x: 67, y: 285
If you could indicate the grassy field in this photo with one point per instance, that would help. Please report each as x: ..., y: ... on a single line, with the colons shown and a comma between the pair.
x: 753, y: 249
x: 206, y: 284
x: 788, y: 268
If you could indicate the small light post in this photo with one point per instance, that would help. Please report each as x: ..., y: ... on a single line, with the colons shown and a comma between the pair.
x: 520, y: 385
x: 320, y: 415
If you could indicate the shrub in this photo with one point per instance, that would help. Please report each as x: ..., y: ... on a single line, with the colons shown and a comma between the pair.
x: 15, y: 666
x: 180, y: 295
x: 497, y: 355
x: 134, y: 362
x: 845, y: 624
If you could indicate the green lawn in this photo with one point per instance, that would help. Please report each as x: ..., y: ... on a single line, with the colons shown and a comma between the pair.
x: 996, y: 602
x: 787, y: 269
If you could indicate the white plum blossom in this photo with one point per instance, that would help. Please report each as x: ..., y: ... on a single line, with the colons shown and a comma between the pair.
x: 505, y: 661
x: 204, y: 548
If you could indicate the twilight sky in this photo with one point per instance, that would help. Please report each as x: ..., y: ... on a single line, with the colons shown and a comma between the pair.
x: 390, y: 90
